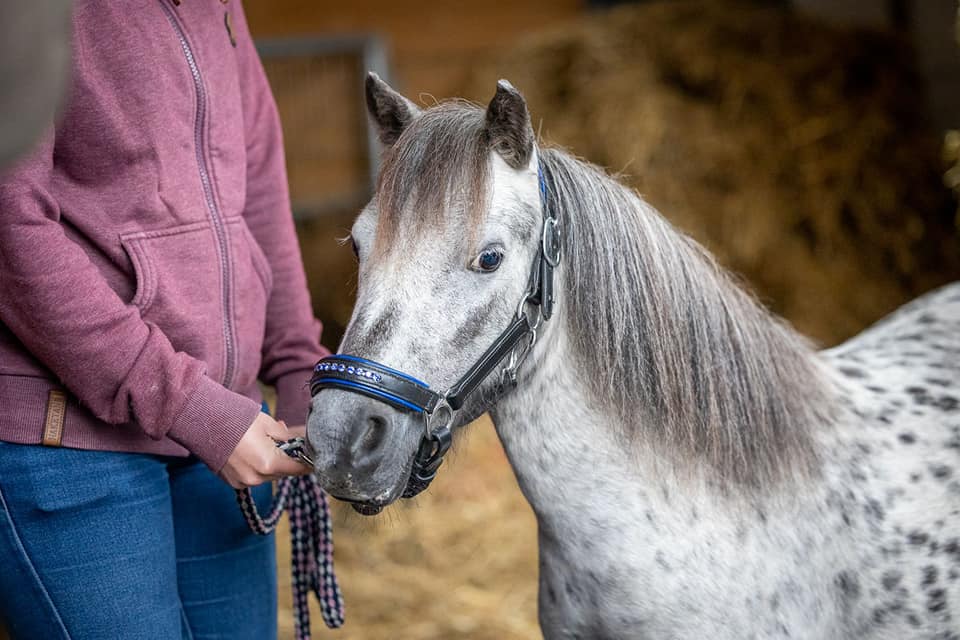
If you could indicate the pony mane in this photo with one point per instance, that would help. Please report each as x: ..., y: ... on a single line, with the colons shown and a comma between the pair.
x: 682, y: 353
x: 442, y: 157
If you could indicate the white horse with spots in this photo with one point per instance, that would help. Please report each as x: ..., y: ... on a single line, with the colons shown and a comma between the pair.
x: 697, y: 470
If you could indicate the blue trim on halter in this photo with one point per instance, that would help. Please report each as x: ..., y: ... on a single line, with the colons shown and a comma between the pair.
x: 542, y: 182
x: 372, y: 390
x: 399, y: 374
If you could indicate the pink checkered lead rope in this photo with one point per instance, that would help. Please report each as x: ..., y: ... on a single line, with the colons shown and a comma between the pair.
x: 311, y: 546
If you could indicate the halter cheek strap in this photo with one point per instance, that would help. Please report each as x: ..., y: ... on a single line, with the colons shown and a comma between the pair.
x: 406, y: 393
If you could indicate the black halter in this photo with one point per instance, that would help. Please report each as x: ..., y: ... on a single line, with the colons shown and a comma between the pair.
x: 404, y: 392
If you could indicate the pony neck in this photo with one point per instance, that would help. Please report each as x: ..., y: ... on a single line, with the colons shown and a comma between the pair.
x: 658, y: 340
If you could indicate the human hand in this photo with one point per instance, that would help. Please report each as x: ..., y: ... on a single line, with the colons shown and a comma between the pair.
x: 256, y: 458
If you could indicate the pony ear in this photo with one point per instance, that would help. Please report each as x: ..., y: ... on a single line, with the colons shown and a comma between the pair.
x: 389, y: 110
x: 508, y: 126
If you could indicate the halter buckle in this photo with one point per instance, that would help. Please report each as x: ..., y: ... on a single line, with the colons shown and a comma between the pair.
x: 550, y: 241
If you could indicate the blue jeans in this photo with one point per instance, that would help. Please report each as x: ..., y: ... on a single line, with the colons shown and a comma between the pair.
x: 101, y: 545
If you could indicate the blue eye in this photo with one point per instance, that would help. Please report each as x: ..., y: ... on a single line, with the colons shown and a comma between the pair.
x: 488, y: 260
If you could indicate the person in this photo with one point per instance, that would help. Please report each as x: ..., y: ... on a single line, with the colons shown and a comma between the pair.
x: 149, y: 276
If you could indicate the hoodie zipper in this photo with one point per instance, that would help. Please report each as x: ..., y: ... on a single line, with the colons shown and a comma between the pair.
x: 216, y: 218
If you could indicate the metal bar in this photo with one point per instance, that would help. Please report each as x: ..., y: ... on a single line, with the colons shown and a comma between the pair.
x: 373, y: 56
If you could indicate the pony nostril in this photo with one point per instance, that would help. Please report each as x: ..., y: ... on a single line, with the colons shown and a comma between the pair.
x: 373, y: 436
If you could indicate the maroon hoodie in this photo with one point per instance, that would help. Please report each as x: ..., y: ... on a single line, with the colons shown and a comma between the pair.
x: 149, y: 270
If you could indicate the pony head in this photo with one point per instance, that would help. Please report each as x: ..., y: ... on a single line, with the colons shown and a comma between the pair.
x: 445, y: 249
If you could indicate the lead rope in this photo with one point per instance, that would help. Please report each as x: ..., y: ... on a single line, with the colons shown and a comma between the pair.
x: 311, y: 546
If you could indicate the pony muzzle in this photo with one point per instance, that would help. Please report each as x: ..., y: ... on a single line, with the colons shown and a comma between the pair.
x: 362, y: 449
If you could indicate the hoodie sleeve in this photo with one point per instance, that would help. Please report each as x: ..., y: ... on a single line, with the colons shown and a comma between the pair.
x: 58, y: 304
x: 292, y: 339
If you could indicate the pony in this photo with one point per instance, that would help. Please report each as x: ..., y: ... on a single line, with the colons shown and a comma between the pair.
x: 697, y: 468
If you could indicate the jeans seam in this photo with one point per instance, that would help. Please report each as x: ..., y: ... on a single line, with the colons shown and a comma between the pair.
x: 186, y: 622
x: 228, y: 552
x: 26, y: 557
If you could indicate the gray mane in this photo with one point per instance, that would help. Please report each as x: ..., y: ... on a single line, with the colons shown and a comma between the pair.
x: 442, y: 157
x: 681, y: 352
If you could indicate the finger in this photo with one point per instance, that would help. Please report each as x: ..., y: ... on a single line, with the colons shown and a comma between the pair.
x: 233, y: 480
x: 284, y: 465
x: 277, y: 430
x: 299, y: 431
x: 301, y: 470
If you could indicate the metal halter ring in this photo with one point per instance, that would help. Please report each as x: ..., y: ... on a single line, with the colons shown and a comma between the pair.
x: 528, y: 301
x: 431, y: 420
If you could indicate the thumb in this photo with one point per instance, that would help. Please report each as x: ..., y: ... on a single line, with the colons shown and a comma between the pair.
x: 266, y: 425
x: 274, y: 429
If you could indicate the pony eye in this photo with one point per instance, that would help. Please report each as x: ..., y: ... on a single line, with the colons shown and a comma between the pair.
x: 356, y: 250
x: 488, y: 260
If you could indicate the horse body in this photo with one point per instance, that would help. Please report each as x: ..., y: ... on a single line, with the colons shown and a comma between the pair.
x: 869, y: 547
x: 696, y: 468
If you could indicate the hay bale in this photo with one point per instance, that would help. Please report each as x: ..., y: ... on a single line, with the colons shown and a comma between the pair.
x: 798, y: 152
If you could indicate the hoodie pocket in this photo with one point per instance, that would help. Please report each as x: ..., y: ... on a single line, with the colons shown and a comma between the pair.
x: 178, y: 289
